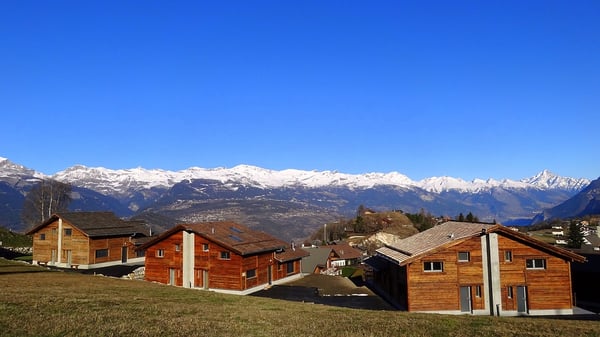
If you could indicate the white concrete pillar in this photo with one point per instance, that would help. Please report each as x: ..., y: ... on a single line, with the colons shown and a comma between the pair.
x: 59, y: 245
x: 188, y: 259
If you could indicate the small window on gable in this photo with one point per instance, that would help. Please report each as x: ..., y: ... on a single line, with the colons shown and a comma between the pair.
x: 160, y: 253
x: 68, y: 231
x: 177, y: 247
x: 433, y: 266
x: 508, y: 256
x: 536, y: 263
x: 464, y: 256
x: 225, y: 256
x: 478, y: 291
x: 509, y: 292
x: 42, y: 236
x: 205, y: 247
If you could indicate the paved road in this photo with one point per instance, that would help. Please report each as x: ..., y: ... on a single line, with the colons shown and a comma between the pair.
x: 328, y: 290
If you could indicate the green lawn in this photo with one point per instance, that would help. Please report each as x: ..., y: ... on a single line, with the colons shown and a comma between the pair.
x: 37, y: 302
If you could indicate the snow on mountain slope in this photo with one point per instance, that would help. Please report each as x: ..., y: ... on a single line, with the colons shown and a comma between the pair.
x: 121, y: 181
x: 547, y: 179
x: 11, y: 170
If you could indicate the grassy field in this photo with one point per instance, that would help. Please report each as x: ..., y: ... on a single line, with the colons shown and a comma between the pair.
x: 37, y: 302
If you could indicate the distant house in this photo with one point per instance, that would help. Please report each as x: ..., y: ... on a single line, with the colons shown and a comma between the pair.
x: 87, y: 240
x: 221, y: 256
x: 330, y: 259
x: 475, y: 268
x: 342, y: 254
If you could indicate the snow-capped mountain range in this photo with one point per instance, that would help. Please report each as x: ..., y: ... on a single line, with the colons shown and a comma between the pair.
x: 119, y: 181
x: 291, y: 203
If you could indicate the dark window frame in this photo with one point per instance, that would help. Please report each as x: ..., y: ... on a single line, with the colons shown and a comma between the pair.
x: 251, y: 273
x: 225, y: 255
x: 535, y: 264
x: 101, y: 253
x: 433, y: 266
x: 468, y: 259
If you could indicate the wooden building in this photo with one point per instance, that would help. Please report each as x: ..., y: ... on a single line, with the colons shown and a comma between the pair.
x: 475, y: 268
x: 87, y: 240
x: 220, y: 256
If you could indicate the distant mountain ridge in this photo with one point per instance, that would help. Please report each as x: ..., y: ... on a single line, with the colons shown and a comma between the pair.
x: 117, y: 181
x: 289, y: 203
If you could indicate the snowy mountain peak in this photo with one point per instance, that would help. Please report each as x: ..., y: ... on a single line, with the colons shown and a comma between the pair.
x: 546, y: 179
x: 12, y: 170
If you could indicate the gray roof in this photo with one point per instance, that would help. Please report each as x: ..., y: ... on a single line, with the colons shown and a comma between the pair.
x: 318, y: 256
x: 453, y: 232
x: 423, y: 242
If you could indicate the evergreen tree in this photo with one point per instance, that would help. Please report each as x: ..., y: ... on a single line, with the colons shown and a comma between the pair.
x: 575, y: 238
x: 461, y: 217
x: 470, y: 217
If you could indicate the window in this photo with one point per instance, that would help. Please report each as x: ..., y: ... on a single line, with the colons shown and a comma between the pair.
x: 290, y: 267
x: 464, y: 256
x: 433, y: 266
x: 509, y: 292
x: 177, y: 247
x: 101, y: 253
x: 478, y: 291
x: 68, y: 231
x: 536, y: 263
x: 53, y: 231
x: 508, y: 256
x: 42, y: 236
x: 140, y: 253
x: 251, y: 273
x: 225, y: 256
x: 160, y: 253
x: 205, y: 247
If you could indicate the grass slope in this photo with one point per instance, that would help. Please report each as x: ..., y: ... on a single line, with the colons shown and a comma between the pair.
x: 37, y: 302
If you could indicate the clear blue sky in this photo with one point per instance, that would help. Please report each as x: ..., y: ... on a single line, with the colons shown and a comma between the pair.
x: 469, y: 89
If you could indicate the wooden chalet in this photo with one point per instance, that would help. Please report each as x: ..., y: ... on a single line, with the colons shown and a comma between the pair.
x: 87, y: 240
x: 221, y: 256
x: 475, y: 268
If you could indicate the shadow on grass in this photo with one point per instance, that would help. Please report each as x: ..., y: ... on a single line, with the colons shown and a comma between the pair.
x: 311, y: 295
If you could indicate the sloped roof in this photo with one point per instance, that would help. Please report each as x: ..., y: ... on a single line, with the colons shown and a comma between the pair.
x: 454, y: 232
x: 318, y: 256
x: 97, y: 224
x: 291, y: 254
x: 231, y: 235
x: 345, y: 251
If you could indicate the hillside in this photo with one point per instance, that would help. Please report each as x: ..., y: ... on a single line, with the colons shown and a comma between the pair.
x: 11, y: 239
x: 586, y: 202
x: 70, y: 304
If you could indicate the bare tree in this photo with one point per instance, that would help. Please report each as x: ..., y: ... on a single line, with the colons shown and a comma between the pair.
x: 44, y: 199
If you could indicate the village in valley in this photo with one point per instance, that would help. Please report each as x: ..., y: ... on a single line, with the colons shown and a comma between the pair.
x: 384, y: 260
